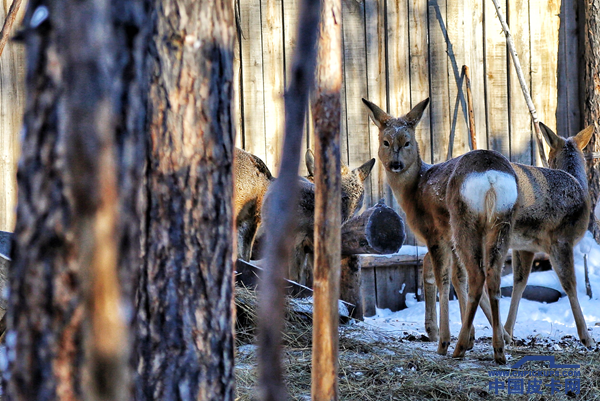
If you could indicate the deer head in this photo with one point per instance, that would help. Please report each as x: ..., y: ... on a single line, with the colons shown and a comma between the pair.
x: 398, y: 149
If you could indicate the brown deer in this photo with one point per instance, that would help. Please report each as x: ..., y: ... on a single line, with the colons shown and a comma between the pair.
x: 353, y: 188
x: 552, y: 217
x: 464, y: 208
x: 251, y: 182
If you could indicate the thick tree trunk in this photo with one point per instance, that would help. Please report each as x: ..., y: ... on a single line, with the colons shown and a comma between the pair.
x: 185, y: 303
x: 589, y: 15
x: 326, y: 109
x: 76, y: 194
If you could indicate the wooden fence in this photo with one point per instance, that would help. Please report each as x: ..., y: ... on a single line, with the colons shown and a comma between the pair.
x: 398, y: 52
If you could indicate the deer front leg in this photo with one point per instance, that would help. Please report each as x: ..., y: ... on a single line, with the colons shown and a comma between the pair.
x: 440, y: 259
x: 522, y: 261
x: 430, y: 293
x: 459, y: 281
x: 561, y: 258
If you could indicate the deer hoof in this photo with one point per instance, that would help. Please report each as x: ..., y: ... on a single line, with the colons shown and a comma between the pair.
x: 432, y: 333
x: 443, y: 347
x: 459, y: 351
x: 588, y: 342
x: 499, y: 356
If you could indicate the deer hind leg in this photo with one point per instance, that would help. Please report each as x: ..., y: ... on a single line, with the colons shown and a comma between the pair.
x: 522, y: 261
x: 561, y: 258
x: 430, y: 293
x: 459, y: 281
x: 496, y: 250
x: 440, y: 259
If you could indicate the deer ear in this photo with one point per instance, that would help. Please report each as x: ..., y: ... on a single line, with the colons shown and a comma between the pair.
x: 584, y: 136
x: 309, y: 158
x: 414, y: 116
x: 552, y: 139
x: 364, y: 170
x: 379, y: 117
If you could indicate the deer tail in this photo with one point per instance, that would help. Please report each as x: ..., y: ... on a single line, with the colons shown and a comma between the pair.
x: 490, y: 205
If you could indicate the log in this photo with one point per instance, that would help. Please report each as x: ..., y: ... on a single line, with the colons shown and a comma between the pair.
x: 379, y: 230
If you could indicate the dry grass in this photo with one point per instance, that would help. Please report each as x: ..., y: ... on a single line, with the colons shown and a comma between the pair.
x: 378, y: 366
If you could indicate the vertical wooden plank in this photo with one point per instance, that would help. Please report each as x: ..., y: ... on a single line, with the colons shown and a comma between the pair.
x: 237, y: 83
x: 465, y: 47
x: 398, y: 76
x: 521, y: 132
x: 376, y: 83
x: 393, y: 283
x: 355, y: 78
x: 567, y: 114
x: 419, y: 71
x: 398, y: 72
x: 12, y: 104
x: 475, y: 51
x: 544, y: 17
x: 496, y: 83
x: 368, y: 290
x: 290, y: 22
x: 438, y: 81
x: 273, y: 79
x: 252, y: 76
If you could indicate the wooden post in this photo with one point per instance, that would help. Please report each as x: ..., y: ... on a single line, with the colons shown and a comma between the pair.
x: 472, y: 132
x: 327, y: 117
x: 280, y: 223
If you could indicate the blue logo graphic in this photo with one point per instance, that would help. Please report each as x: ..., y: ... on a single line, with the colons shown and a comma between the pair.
x: 549, y: 358
x: 519, y: 380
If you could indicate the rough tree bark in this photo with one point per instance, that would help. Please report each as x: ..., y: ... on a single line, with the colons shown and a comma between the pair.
x: 185, y: 304
x: 326, y: 110
x: 76, y: 196
x: 589, y: 42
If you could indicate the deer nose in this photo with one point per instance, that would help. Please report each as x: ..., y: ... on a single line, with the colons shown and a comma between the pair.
x: 395, y: 166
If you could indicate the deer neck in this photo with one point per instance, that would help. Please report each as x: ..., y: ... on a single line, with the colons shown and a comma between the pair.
x: 574, y: 164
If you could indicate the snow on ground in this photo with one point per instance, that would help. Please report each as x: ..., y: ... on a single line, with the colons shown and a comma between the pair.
x: 548, y: 321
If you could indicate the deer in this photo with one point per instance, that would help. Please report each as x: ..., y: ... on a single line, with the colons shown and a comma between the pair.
x: 550, y: 215
x: 463, y: 209
x: 552, y: 218
x: 252, y: 179
x: 353, y: 188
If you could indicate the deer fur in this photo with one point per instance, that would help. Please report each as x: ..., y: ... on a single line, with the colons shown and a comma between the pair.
x: 252, y: 179
x: 462, y: 209
x: 353, y: 187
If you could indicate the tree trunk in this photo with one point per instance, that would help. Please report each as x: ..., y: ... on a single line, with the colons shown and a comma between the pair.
x: 76, y: 213
x: 326, y: 109
x: 185, y: 302
x: 590, y: 96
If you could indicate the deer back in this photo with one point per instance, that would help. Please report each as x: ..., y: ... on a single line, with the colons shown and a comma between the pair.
x: 554, y: 202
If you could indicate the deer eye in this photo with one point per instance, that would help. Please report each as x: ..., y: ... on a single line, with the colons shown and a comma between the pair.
x: 386, y: 144
x: 407, y: 144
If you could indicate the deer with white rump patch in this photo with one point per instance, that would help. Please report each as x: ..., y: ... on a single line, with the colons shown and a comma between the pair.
x: 550, y: 212
x: 464, y: 208
x: 552, y: 217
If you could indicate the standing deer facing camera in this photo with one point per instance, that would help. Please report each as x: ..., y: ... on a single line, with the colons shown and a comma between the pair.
x: 464, y: 208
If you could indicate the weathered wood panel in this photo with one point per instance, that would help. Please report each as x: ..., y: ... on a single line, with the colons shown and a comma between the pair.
x: 438, y: 81
x: 567, y: 115
x: 520, y: 120
x: 544, y: 17
x: 274, y: 81
x: 496, y: 80
x: 376, y: 84
x: 253, y: 99
x: 12, y: 104
x: 419, y: 71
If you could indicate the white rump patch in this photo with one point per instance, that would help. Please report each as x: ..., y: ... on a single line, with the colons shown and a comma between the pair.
x: 476, y: 185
